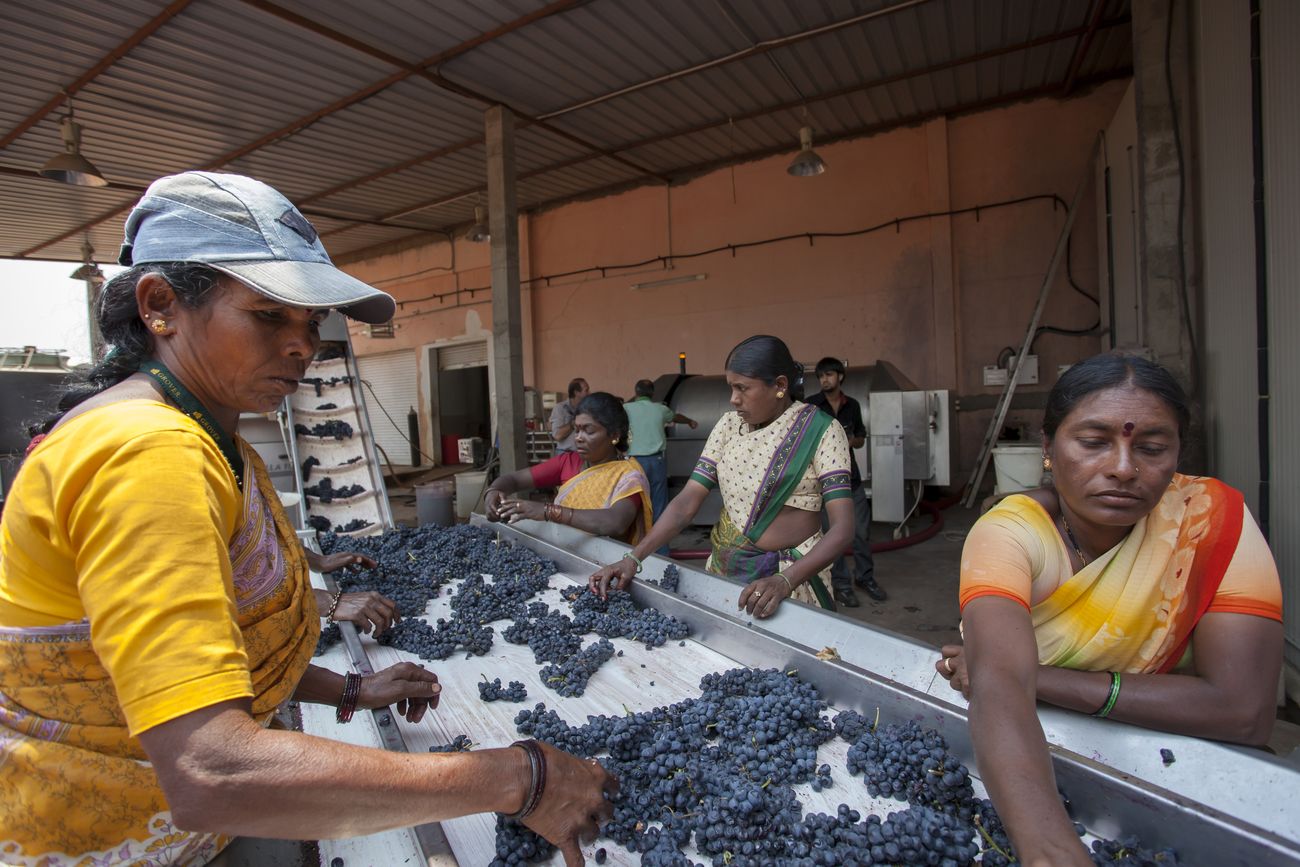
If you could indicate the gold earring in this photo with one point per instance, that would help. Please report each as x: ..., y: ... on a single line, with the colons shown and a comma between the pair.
x: 1047, y: 462
x: 615, y: 440
x: 780, y: 394
x: 158, y: 326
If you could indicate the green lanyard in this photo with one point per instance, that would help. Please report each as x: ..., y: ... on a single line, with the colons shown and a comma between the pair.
x: 189, y: 404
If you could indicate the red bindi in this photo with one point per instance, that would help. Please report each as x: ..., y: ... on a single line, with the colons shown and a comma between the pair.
x: 1128, y: 428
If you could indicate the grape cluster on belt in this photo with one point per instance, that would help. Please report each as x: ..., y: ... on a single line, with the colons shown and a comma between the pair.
x: 325, y: 491
x: 312, y: 461
x: 569, y: 677
x: 669, y: 580
x: 493, y: 691
x: 459, y: 744
x: 517, y: 844
x: 913, y: 764
x: 617, y: 616
x: 332, y: 429
x: 353, y: 525
x: 413, y: 566
x: 1128, y: 852
x: 329, y: 636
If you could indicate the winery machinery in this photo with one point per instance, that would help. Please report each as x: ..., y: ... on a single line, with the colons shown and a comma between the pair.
x: 1215, y: 804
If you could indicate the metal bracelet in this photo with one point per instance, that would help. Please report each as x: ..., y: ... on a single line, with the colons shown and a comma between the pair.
x: 635, y: 559
x: 787, y: 581
x: 537, y: 781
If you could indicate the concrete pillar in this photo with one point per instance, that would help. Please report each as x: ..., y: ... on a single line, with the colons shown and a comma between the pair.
x: 1168, y: 274
x: 507, y: 328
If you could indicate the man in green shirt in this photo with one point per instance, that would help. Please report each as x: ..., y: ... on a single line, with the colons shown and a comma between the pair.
x: 647, y: 421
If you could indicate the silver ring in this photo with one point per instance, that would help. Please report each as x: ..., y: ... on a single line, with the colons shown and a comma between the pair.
x: 947, y: 664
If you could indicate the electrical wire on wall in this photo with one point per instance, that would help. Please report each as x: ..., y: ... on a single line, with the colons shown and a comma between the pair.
x: 1195, y: 372
x: 606, y: 271
x: 396, y: 427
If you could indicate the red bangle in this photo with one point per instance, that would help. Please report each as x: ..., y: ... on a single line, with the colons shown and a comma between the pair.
x: 351, y: 693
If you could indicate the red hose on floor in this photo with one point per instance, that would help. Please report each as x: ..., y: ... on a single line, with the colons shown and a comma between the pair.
x: 936, y: 524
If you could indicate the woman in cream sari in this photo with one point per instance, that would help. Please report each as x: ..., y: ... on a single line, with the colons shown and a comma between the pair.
x: 610, y: 495
x: 777, y: 462
x: 1124, y: 590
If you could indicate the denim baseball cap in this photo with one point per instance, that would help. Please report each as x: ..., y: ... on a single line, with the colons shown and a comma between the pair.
x: 246, y: 229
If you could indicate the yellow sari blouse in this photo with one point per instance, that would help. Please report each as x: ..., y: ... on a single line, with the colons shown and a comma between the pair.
x: 1134, y: 608
x: 137, y: 584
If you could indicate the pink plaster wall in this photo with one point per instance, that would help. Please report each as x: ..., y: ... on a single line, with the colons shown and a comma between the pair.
x: 864, y: 297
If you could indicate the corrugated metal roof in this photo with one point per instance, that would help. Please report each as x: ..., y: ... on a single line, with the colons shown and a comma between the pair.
x: 328, y: 99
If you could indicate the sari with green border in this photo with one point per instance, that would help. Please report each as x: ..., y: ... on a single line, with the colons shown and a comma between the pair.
x: 735, y: 549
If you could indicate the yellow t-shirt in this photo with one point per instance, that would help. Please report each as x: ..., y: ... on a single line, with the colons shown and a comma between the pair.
x: 123, y: 516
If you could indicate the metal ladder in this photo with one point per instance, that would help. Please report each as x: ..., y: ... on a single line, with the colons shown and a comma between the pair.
x: 1009, y: 390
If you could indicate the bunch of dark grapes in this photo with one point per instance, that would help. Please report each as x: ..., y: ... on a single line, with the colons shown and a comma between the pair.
x: 516, y: 844
x: 1128, y: 852
x: 325, y: 491
x: 319, y: 523
x: 917, y: 835
x: 851, y: 725
x: 312, y: 461
x: 669, y: 580
x: 728, y: 793
x: 617, y: 616
x: 332, y: 429
x: 493, y: 691
x: 415, y: 563
x: 353, y: 525
x: 329, y: 636
x: 569, y: 677
x: 320, y: 382
x: 995, y: 845
x: 459, y: 744
x: 914, y: 765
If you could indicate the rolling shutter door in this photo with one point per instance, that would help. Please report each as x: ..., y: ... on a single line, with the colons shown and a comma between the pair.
x: 463, y: 355
x: 393, y: 379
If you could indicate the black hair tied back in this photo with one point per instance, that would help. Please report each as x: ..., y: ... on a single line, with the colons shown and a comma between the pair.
x: 126, y: 339
x: 608, y: 412
x: 765, y: 357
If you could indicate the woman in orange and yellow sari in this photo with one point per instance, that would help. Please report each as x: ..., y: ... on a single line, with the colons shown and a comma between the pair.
x: 610, y: 496
x: 1124, y: 590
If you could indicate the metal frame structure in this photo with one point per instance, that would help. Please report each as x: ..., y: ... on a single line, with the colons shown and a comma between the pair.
x: 1209, y: 810
x: 744, y: 41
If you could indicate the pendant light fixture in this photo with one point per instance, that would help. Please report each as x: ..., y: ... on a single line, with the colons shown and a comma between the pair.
x: 478, y: 233
x: 807, y: 162
x: 71, y: 167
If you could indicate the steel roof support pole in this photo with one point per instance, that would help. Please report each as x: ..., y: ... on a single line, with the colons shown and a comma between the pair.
x: 507, y: 317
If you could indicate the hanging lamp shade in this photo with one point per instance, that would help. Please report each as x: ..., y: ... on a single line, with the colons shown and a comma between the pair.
x: 478, y: 232
x: 806, y: 163
x: 71, y: 167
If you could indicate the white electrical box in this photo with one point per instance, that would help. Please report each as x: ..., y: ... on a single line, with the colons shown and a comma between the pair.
x: 1028, y: 371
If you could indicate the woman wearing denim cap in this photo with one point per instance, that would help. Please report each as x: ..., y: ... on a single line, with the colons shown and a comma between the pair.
x: 155, y: 607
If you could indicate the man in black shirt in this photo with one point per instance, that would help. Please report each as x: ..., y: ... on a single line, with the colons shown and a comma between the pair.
x: 848, y: 412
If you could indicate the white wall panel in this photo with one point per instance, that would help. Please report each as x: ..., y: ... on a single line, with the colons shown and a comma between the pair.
x: 1226, y: 180
x: 1280, y: 30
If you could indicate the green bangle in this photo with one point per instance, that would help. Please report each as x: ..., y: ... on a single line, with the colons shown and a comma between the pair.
x: 1106, y: 708
x: 635, y: 559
